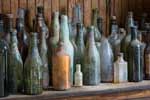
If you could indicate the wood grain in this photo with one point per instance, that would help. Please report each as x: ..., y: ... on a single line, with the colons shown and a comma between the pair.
x: 47, y: 11
x: 22, y: 3
x: 0, y: 6
x: 63, y: 6
x: 71, y: 4
x: 55, y: 5
x: 6, y: 6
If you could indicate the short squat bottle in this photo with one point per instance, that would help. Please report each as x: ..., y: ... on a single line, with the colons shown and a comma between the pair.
x: 120, y: 70
x: 61, y: 69
x: 135, y: 70
x: 78, y: 76
x: 3, y: 68
x: 91, y: 67
x: 15, y: 68
x: 33, y: 69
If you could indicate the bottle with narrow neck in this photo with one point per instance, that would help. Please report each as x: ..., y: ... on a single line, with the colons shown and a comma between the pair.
x: 91, y: 67
x: 43, y: 54
x: 64, y: 37
x: 33, y: 69
x: 15, y: 69
x: 135, y: 70
x: 78, y: 76
x: 120, y: 70
x: 80, y: 45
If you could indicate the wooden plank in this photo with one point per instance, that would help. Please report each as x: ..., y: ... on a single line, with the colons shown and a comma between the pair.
x: 87, y: 12
x: 102, y: 9
x: 47, y: 12
x: 0, y: 6
x: 71, y: 4
x: 31, y: 13
x: 6, y: 6
x: 14, y: 8
x: 55, y: 5
x: 39, y: 3
x: 94, y: 4
x: 63, y: 6
x: 22, y: 3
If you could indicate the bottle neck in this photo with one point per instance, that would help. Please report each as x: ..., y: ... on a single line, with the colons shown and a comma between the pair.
x: 33, y: 44
x: 78, y: 68
x: 56, y: 27
x: 133, y: 33
x: 91, y: 36
x: 79, y: 33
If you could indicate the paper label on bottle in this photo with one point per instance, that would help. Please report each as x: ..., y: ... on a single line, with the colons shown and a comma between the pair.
x: 147, y: 60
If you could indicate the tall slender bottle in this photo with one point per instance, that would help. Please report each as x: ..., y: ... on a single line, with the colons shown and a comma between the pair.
x: 64, y: 36
x: 43, y: 54
x: 127, y: 39
x: 91, y: 68
x: 22, y: 34
x: 15, y: 68
x: 61, y: 68
x: 147, y: 58
x: 135, y: 70
x: 3, y: 68
x: 80, y: 45
x: 33, y: 69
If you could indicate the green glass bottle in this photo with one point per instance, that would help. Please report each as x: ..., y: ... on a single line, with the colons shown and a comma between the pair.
x: 135, y: 69
x: 15, y: 66
x: 33, y: 69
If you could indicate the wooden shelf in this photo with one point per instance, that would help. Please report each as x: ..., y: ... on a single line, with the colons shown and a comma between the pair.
x: 89, y: 91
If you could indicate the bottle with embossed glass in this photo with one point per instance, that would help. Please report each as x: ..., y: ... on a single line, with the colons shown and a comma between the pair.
x: 147, y: 57
x: 61, y: 68
x: 64, y: 37
x: 22, y: 34
x: 33, y: 69
x: 135, y: 70
x: 3, y: 68
x: 15, y: 68
x: 127, y: 39
x: 91, y: 67
x: 43, y: 54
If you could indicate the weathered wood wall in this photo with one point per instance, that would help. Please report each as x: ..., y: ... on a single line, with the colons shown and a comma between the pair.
x: 118, y: 8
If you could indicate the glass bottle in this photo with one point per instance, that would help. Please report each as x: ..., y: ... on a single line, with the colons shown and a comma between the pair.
x: 80, y: 45
x: 120, y: 70
x: 135, y: 70
x: 127, y: 39
x: 91, y: 67
x: 106, y: 56
x: 64, y: 36
x: 22, y: 34
x: 3, y: 68
x: 147, y: 58
x: 61, y: 68
x: 53, y: 41
x: 43, y: 54
x: 78, y: 76
x: 15, y: 68
x: 143, y: 21
x: 122, y: 33
x: 33, y: 69
x: 1, y: 26
x: 8, y: 27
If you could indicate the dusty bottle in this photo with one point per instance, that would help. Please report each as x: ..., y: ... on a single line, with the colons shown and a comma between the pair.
x: 127, y: 39
x: 3, y: 68
x: 135, y: 70
x: 91, y: 67
x: 22, y: 34
x: 15, y: 68
x: 80, y: 45
x: 106, y: 56
x: 61, y: 68
x: 1, y: 26
x: 8, y: 27
x: 78, y: 76
x: 64, y: 37
x: 53, y: 41
x: 43, y: 54
x: 147, y: 57
x: 120, y: 70
x: 33, y: 69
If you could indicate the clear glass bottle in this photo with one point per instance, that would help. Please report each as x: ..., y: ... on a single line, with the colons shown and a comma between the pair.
x: 33, y: 69
x: 15, y: 66
x: 64, y: 37
x: 120, y: 70
x: 43, y: 54
x: 91, y: 68
x: 135, y: 70
x: 3, y: 68
x: 78, y: 76
x: 61, y: 68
